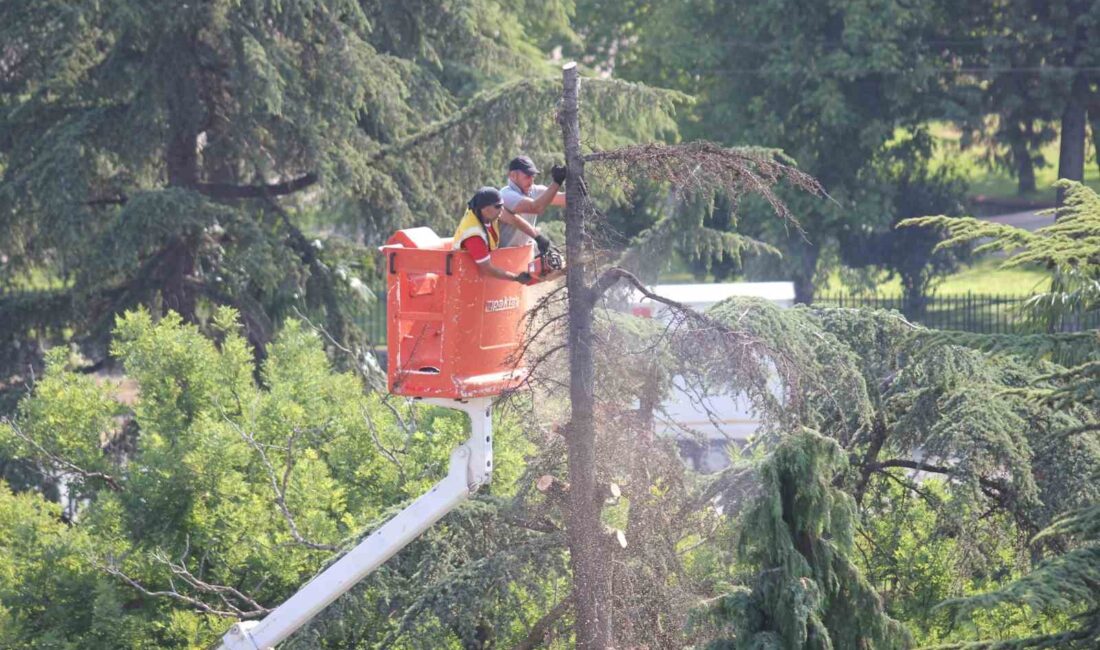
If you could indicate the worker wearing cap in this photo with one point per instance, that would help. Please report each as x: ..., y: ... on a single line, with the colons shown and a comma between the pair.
x: 523, y: 198
x: 478, y: 232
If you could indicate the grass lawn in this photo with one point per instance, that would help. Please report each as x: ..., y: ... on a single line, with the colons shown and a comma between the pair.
x: 983, y: 277
x: 998, y: 183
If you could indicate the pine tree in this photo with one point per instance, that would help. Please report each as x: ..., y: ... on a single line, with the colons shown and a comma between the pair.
x: 171, y: 157
x: 1069, y: 582
x: 797, y: 540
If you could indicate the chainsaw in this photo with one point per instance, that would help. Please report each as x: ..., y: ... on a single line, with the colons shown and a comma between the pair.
x: 546, y: 266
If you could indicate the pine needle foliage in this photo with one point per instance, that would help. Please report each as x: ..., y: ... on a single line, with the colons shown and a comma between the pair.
x: 1073, y: 240
x: 696, y: 174
x: 1068, y: 582
x: 798, y: 539
x: 433, y: 170
x: 171, y: 157
x: 1012, y: 436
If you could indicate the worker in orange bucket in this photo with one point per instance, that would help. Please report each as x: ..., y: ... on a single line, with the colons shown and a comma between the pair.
x: 478, y: 232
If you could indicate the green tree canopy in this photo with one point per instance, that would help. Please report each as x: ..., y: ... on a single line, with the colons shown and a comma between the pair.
x: 169, y: 157
x: 826, y: 83
x: 1067, y: 582
x: 208, y: 492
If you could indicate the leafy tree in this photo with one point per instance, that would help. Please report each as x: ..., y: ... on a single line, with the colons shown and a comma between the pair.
x: 43, y: 576
x: 798, y: 539
x: 232, y: 489
x: 999, y: 55
x: 903, y: 406
x: 916, y: 190
x: 1029, y: 64
x: 827, y: 83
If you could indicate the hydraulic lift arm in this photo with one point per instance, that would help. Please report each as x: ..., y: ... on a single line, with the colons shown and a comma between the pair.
x: 471, y: 467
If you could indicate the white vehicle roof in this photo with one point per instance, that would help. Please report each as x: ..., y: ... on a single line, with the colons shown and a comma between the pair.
x: 704, y: 295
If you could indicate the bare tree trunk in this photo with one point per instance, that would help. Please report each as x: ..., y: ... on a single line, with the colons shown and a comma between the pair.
x: 914, y: 293
x: 181, y: 162
x: 804, y: 288
x: 591, y: 585
x: 1094, y: 122
x: 181, y: 155
x: 1025, y: 166
x: 1071, y: 152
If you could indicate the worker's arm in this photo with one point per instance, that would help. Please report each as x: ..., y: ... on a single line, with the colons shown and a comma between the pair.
x: 486, y: 266
x: 537, y: 205
x: 480, y: 252
x: 509, y: 217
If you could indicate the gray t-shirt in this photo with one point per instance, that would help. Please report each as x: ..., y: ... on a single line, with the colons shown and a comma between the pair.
x: 511, y: 195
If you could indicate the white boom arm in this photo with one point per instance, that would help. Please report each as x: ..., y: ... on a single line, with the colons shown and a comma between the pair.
x: 471, y: 467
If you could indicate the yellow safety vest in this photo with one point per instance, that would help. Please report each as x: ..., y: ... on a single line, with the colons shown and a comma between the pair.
x: 471, y: 226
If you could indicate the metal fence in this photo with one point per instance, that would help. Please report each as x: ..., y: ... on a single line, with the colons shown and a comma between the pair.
x: 969, y: 312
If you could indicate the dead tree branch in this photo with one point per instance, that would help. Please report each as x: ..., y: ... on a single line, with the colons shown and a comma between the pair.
x: 175, y: 595
x: 540, y: 631
x: 229, y: 191
x: 229, y: 596
x: 703, y: 166
x: 936, y: 469
x: 279, y: 487
x: 58, y: 461
x: 382, y: 448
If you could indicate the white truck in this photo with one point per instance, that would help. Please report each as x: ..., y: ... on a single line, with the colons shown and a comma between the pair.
x: 706, y: 427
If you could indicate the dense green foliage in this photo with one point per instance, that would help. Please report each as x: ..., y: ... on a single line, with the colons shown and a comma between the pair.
x: 834, y: 83
x: 208, y: 475
x: 1066, y: 583
x: 905, y: 404
x: 799, y: 537
x: 827, y: 83
x: 171, y: 158
x: 192, y: 194
x: 1020, y: 73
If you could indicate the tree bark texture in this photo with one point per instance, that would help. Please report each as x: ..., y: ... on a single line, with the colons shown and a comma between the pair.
x: 181, y: 162
x: 1094, y: 121
x: 1071, y: 151
x: 1025, y: 166
x: 591, y: 585
x: 804, y: 289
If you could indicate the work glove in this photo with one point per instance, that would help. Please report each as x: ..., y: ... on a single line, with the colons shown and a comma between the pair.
x: 543, y: 242
x: 523, y: 278
x: 558, y: 173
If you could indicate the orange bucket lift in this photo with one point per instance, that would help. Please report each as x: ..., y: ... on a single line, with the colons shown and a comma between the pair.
x: 452, y: 331
x: 454, y: 339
